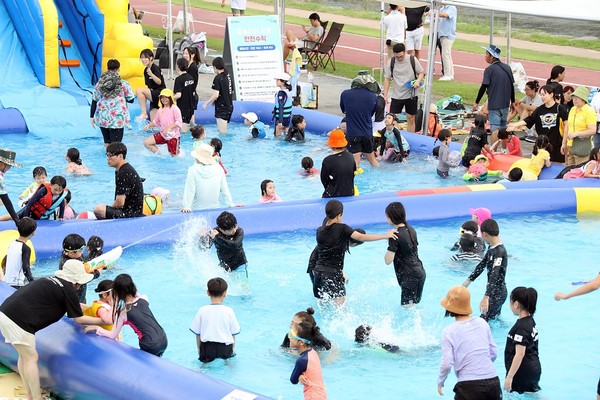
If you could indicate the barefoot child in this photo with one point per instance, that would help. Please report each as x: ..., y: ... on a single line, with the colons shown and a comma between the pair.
x: 228, y: 239
x: 168, y: 118
x: 307, y: 370
x: 215, y: 325
x: 18, y: 256
x: 154, y: 84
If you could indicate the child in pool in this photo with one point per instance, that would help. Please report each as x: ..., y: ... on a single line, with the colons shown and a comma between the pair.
x: 73, y: 247
x: 94, y: 246
x: 478, y: 171
x: 102, y: 308
x: 496, y: 263
x: 39, y: 178
x: 131, y: 308
x: 444, y: 163
x: 296, y: 132
x: 168, y: 119
x: 217, y: 144
x: 480, y: 215
x: 308, y: 168
x: 307, y: 370
x: 282, y: 111
x: 540, y: 155
x: 319, y: 342
x: 470, y: 228
x: 75, y: 165
x: 215, y: 325
x: 403, y: 252
x: 267, y: 190
x: 258, y: 130
x: 362, y: 335
x: 467, y: 249
x: 228, y: 239
x: 392, y: 142
x: 18, y: 256
x: 198, y: 134
x: 521, y: 356
x: 7, y: 160
x: 476, y: 141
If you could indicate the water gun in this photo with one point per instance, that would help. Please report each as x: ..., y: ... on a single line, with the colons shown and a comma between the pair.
x: 104, y: 260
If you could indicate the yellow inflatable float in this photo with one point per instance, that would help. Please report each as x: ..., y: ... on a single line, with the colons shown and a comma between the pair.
x: 6, y: 237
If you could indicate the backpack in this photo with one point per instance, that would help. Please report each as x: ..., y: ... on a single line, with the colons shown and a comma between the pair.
x: 412, y: 63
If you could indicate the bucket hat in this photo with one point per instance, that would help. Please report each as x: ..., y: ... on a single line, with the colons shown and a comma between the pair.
x: 74, y: 271
x: 204, y: 154
x: 7, y: 156
x: 282, y: 76
x: 168, y: 93
x: 109, y: 84
x: 493, y: 50
x: 337, y: 139
x: 458, y: 301
x: 582, y: 92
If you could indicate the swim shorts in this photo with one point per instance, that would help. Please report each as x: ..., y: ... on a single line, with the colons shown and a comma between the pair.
x: 172, y: 144
x: 328, y: 285
x: 360, y: 144
x: 211, y: 350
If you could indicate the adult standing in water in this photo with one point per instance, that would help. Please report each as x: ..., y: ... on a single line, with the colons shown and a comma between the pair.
x: 109, y: 109
x: 222, y: 95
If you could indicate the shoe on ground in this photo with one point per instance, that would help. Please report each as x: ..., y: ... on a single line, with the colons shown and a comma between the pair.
x: 530, y: 139
x: 447, y: 78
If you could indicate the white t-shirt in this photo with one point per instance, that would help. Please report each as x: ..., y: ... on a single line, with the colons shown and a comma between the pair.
x: 215, y: 323
x: 395, y: 26
x: 536, y: 101
x: 238, y: 4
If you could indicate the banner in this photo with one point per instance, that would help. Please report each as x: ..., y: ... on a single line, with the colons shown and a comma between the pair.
x: 253, y: 49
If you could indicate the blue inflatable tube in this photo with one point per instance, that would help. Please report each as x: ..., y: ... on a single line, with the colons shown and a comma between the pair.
x: 12, y: 121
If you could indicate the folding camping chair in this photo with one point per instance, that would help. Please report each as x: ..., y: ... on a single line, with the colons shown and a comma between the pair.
x: 323, y: 53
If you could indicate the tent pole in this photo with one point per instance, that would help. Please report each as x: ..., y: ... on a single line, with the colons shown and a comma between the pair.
x: 185, y: 20
x: 433, y: 33
x: 492, y: 27
x: 170, y: 37
x: 508, y: 34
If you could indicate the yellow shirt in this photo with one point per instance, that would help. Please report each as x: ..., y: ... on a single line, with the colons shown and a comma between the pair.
x: 538, y: 161
x: 581, y: 119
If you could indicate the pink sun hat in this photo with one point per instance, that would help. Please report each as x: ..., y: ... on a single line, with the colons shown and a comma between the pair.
x: 481, y: 213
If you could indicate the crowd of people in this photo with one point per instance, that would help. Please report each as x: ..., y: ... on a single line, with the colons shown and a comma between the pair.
x: 559, y: 120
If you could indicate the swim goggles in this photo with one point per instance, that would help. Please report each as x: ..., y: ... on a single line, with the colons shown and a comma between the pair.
x: 82, y: 248
x: 292, y: 335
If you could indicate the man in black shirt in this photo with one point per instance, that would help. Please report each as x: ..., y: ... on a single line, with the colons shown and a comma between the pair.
x: 184, y: 89
x: 129, y: 190
x: 36, y: 306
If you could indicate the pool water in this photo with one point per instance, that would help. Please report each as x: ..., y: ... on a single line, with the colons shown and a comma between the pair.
x: 247, y: 161
x: 174, y: 277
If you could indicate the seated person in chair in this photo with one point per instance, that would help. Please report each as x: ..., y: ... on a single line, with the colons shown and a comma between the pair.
x: 312, y: 34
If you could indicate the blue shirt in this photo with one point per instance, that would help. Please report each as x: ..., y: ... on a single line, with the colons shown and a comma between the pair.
x: 359, y: 106
x: 447, y: 26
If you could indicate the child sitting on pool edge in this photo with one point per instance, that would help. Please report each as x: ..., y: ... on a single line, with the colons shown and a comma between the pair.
x: 215, y: 325
x: 257, y: 129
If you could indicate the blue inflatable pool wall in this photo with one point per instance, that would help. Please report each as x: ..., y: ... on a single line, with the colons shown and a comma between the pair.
x: 70, y: 361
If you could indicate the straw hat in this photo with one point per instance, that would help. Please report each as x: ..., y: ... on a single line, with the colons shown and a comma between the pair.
x: 582, y: 92
x: 168, y: 93
x: 204, y: 154
x: 7, y: 156
x: 337, y: 139
x: 458, y: 301
x: 250, y: 116
x: 74, y: 271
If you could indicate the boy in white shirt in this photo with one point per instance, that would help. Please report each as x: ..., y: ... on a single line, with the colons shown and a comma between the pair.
x: 215, y: 325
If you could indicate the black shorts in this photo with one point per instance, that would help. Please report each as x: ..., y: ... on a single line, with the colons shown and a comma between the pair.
x: 211, y: 350
x: 411, y: 289
x: 327, y: 285
x: 186, y: 118
x: 360, y: 144
x: 155, y: 98
x: 480, y: 389
x: 467, y: 158
x: 114, y: 213
x: 223, y: 114
x: 112, y: 135
x: 442, y: 174
x: 397, y: 105
x: 157, y: 348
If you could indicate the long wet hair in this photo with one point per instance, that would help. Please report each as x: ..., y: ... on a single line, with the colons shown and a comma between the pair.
x: 263, y: 186
x: 123, y: 286
x: 333, y: 208
x: 397, y: 214
x: 527, y: 298
x: 73, y: 156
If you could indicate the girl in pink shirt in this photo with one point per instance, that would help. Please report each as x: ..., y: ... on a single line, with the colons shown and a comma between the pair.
x: 267, y: 190
x: 168, y: 118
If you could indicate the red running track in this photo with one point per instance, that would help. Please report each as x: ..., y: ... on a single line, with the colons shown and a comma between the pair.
x: 364, y: 50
